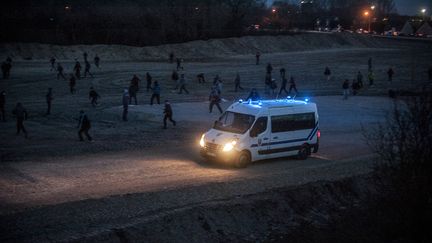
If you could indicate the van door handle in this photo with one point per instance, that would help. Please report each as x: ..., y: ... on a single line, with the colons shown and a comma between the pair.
x: 275, y: 137
x: 265, y: 138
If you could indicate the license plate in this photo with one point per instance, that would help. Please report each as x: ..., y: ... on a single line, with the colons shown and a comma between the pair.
x: 211, y: 154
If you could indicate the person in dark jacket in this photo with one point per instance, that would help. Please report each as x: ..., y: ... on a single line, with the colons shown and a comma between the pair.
x: 72, y: 83
x: 149, y: 81
x: 283, y: 86
x: 60, y: 71
x: 49, y: 98
x: 175, y: 78
x: 84, y: 126
x: 21, y: 115
x: 171, y: 57
x: 293, y: 85
x: 179, y: 64
x: 327, y: 73
x: 2, y: 105
x: 390, y: 74
x: 156, y: 93
x: 360, y: 79
x: 257, y: 57
x: 52, y: 61
x: 345, y: 87
x: 182, y: 84
x: 125, y: 102
x: 93, y: 96
x: 282, y: 72
x: 237, y: 83
x: 253, y: 95
x: 6, y: 67
x: 269, y: 68
x: 168, y: 113
x: 201, y: 78
x: 135, y: 82
x: 133, y: 94
x: 77, y: 69
x: 214, y: 99
x: 87, y: 69
x: 97, y: 61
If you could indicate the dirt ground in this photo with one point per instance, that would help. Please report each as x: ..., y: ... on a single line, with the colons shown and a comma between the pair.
x: 136, y: 169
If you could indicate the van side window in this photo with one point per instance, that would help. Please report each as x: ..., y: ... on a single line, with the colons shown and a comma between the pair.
x: 260, y: 126
x: 293, y: 122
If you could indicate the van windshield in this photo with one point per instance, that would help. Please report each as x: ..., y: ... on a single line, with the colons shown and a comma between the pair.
x: 234, y: 122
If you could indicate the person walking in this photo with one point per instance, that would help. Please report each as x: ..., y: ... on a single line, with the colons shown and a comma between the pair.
x: 283, y: 86
x: 93, y: 96
x: 87, y: 69
x: 390, y: 74
x: 85, y: 55
x: 168, y: 113
x: 267, y: 82
x: 72, y: 83
x: 156, y: 93
x: 345, y: 87
x: 282, y: 72
x: 214, y: 99
x: 175, y: 78
x: 371, y: 78
x: 327, y: 73
x: 21, y: 115
x: 201, y: 78
x: 84, y: 126
x: 60, y: 71
x: 370, y: 64
x: 237, y: 83
x: 253, y: 95
x: 182, y: 84
x: 49, y: 98
x: 52, y: 61
x: 293, y: 86
x: 135, y: 82
x: 355, y: 87
x: 97, y: 61
x: 77, y: 69
x: 257, y: 57
x: 269, y: 68
x: 149, y: 81
x: 171, y: 57
x: 3, y: 105
x: 179, y: 64
x: 125, y: 102
x: 133, y: 94
x: 360, y: 79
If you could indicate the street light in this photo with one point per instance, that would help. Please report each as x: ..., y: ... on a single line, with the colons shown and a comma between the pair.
x: 423, y: 11
x: 373, y: 7
x: 367, y: 15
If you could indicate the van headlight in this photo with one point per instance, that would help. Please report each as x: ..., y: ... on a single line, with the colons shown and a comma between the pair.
x: 201, y: 142
x: 229, y: 146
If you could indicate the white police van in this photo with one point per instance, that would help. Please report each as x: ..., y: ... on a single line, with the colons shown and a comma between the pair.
x: 255, y: 130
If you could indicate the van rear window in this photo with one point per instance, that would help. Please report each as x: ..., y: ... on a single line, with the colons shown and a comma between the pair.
x: 292, y: 122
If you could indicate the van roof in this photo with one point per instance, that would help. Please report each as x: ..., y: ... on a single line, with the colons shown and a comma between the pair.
x: 254, y: 107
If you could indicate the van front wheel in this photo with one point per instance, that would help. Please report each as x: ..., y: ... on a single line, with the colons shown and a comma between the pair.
x: 243, y: 160
x: 304, y: 152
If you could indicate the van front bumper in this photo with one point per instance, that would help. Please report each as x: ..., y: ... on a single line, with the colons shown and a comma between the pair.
x: 213, y: 151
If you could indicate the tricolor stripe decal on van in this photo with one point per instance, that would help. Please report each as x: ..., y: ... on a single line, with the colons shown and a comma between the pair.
x: 309, y: 137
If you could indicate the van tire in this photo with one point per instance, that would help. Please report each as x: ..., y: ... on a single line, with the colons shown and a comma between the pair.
x: 243, y: 160
x: 304, y: 152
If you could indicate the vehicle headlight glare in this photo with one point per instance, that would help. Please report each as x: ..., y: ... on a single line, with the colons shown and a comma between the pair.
x: 229, y: 146
x: 201, y: 142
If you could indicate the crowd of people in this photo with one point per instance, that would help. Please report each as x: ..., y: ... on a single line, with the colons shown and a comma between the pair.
x: 179, y: 79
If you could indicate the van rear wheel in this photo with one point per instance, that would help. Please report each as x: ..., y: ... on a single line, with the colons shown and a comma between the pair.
x: 243, y: 160
x: 304, y: 152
